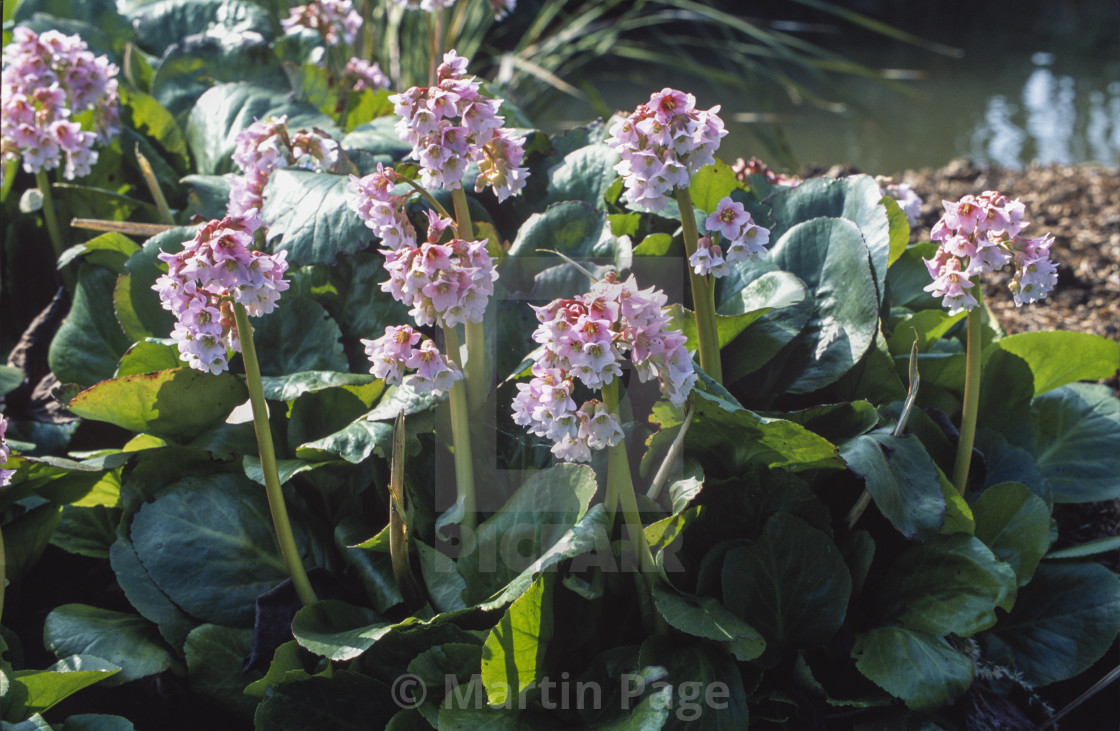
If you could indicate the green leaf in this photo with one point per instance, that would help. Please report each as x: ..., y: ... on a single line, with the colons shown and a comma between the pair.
x: 925, y: 671
x: 1059, y: 357
x: 223, y: 111
x: 347, y: 701
x: 705, y: 617
x: 215, y: 656
x: 1015, y: 524
x: 209, y: 195
x: 737, y: 437
x: 126, y: 640
x: 37, y: 691
x: 930, y: 324
x: 513, y: 655
x: 908, y: 277
x: 1077, y: 428
x: 572, y: 228
x: 177, y: 404
x: 145, y: 596
x: 857, y: 199
x: 711, y: 184
x: 308, y: 215
x: 1065, y: 620
x: 97, y: 722
x: 26, y: 537
x: 792, y: 306
x: 289, y: 387
x: 706, y: 687
x: 10, y: 379
x: 87, y: 531
x: 1089, y: 548
x: 195, y: 65
x: 337, y: 630
x: 792, y: 584
x: 899, y: 227
x: 901, y: 478
x: 297, y: 336
x: 109, y: 250
x: 537, y: 518
x: 150, y: 118
x: 218, y: 531
x: 728, y: 327
x: 145, y: 267
x: 365, y: 310
x: 379, y: 138
x: 583, y: 175
x: 89, y: 342
x: 948, y: 584
x: 147, y: 357
x: 164, y: 22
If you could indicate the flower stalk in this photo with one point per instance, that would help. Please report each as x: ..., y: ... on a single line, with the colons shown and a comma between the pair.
x: 280, y: 520
x: 476, y: 373
x: 703, y: 294
x: 50, y: 217
x: 461, y: 433
x: 971, y: 395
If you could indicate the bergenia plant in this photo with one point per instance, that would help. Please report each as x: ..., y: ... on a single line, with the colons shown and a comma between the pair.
x: 733, y: 236
x: 662, y: 144
x: 49, y: 81
x: 212, y: 287
x: 266, y: 146
x: 978, y: 235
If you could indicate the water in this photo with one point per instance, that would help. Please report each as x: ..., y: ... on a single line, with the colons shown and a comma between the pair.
x: 1049, y: 99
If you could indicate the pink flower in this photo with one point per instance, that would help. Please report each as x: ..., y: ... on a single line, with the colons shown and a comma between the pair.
x: 335, y: 20
x: 266, y: 146
x: 5, y: 453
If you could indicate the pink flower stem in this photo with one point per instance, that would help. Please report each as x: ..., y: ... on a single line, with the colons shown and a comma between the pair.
x: 461, y: 434
x: 280, y: 521
x: 971, y: 394
x: 703, y: 294
x: 53, y: 230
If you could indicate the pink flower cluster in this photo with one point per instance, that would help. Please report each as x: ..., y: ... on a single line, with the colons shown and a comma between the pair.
x: 396, y: 351
x: 451, y: 124
x: 586, y: 339
x: 265, y: 146
x: 362, y: 75
x: 213, y: 270
x: 335, y: 20
x: 980, y: 234
x: 380, y: 209
x: 47, y: 81
x: 5, y: 453
x: 742, y: 239
x: 662, y: 144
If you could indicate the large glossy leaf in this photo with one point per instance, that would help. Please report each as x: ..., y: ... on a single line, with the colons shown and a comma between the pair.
x: 145, y: 596
x: 792, y: 585
x: 209, y: 545
x: 215, y: 658
x: 177, y: 404
x: 37, y: 691
x: 711, y: 184
x: 365, y: 310
x: 901, y: 478
x: 924, y: 670
x: 193, y: 66
x: 1077, y: 428
x: 573, y: 228
x: 513, y: 656
x: 948, y: 584
x: 857, y: 199
x: 706, y: 687
x: 1015, y: 524
x: 290, y: 386
x: 537, y: 518
x: 337, y: 630
x: 144, y: 268
x: 225, y: 110
x: 706, y: 617
x: 1065, y: 620
x: 149, y: 117
x: 583, y: 175
x: 90, y: 341
x: 379, y: 138
x: 297, y: 336
x: 791, y: 306
x: 160, y: 24
x: 738, y: 437
x: 125, y: 640
x: 309, y: 216
x: 1059, y: 357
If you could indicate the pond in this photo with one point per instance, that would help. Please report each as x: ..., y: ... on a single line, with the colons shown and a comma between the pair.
x: 1009, y: 98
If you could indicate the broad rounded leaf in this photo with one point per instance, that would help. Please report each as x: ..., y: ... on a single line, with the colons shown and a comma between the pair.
x: 346, y: 701
x: 1077, y: 428
x: 1059, y: 357
x: 308, y: 215
x: 584, y: 175
x: 925, y: 671
x: 792, y: 584
x: 948, y: 584
x: 297, y: 336
x: 161, y: 23
x: 901, y: 478
x: 126, y: 640
x: 90, y: 341
x: 337, y: 630
x: 702, y: 616
x: 1064, y: 621
x: 572, y: 228
x: 1015, y: 524
x: 177, y: 404
x: 209, y: 545
x: 215, y: 658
